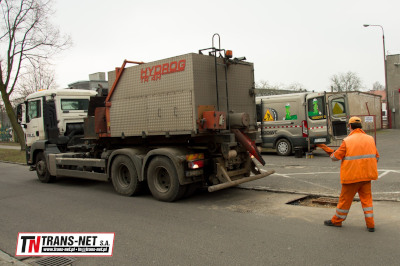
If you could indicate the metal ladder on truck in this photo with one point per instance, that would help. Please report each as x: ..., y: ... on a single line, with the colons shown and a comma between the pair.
x: 227, y: 54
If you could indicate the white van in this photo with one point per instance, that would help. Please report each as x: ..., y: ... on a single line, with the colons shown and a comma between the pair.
x: 299, y: 121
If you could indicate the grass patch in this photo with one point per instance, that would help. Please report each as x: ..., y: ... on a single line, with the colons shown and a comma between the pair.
x: 15, y: 156
x: 9, y: 143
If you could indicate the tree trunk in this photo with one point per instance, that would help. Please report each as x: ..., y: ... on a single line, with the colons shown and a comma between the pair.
x: 13, y: 119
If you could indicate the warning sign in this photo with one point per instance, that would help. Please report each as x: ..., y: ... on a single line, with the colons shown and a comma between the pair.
x: 337, y: 109
x: 270, y: 115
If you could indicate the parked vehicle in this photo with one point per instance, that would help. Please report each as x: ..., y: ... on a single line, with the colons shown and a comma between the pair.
x: 172, y: 125
x: 299, y: 121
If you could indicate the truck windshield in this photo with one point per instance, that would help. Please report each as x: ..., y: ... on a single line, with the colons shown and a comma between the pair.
x: 316, y: 108
x: 74, y: 104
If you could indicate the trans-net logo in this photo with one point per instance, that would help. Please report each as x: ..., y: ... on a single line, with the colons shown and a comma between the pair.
x: 65, y: 244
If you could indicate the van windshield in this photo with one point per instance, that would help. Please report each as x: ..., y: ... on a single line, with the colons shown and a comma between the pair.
x: 316, y: 108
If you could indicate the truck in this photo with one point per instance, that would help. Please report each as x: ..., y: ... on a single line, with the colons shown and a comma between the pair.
x: 171, y: 125
x: 300, y: 121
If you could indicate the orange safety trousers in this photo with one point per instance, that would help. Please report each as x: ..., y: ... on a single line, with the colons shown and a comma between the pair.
x: 346, y: 199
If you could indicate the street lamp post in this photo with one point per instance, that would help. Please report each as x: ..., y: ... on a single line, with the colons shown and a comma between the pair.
x: 389, y: 116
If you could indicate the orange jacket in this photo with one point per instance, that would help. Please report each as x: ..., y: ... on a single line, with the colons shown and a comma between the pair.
x: 359, y: 158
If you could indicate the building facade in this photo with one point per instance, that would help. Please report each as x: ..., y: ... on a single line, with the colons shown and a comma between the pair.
x: 393, y: 83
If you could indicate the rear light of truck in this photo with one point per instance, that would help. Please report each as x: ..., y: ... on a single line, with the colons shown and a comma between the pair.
x: 195, y: 161
x: 196, y: 164
x: 304, y: 126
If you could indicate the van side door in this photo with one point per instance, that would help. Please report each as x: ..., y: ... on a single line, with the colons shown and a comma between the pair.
x: 338, y: 116
x: 316, y: 114
x: 280, y: 118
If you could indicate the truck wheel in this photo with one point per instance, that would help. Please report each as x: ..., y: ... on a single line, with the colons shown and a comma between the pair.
x: 124, y: 176
x: 162, y: 180
x: 41, y: 169
x: 283, y: 147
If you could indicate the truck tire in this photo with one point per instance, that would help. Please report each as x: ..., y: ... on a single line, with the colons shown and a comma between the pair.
x: 124, y: 176
x: 283, y: 147
x: 162, y: 180
x: 42, y: 171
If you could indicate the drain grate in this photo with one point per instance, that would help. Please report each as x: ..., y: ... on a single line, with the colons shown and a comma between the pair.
x: 53, y: 261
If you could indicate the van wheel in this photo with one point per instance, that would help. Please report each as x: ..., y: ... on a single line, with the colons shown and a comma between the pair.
x: 283, y: 147
x: 162, y: 179
x: 124, y: 176
x: 42, y: 171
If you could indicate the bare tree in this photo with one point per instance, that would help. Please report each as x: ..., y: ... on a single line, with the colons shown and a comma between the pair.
x: 296, y: 87
x: 377, y: 86
x: 26, y: 37
x: 263, y: 84
x: 345, y: 82
x: 39, y: 76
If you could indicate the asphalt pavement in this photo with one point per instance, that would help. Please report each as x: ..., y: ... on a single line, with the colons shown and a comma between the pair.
x: 321, y: 176
x: 309, y: 176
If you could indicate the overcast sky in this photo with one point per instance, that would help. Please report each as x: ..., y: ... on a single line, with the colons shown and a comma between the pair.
x: 289, y: 41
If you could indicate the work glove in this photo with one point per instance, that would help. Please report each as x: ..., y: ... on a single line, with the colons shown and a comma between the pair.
x: 328, y: 150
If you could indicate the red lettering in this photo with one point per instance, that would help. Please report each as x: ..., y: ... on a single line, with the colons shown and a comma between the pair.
x: 151, y: 70
x: 154, y: 73
x: 158, y: 70
x: 172, y: 67
x: 35, y: 245
x: 165, y: 68
x: 181, y: 65
x: 143, y: 73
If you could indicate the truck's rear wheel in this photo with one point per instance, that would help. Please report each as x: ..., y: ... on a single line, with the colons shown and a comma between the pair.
x: 283, y: 147
x: 41, y: 169
x: 124, y: 176
x: 162, y: 180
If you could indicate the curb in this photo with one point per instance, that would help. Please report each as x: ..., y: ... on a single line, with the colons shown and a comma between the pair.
x: 6, y: 259
x: 1, y: 161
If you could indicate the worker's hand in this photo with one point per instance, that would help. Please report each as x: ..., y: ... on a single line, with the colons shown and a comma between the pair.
x: 328, y: 150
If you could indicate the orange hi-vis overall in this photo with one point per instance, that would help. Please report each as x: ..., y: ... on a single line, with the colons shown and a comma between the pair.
x: 359, y: 166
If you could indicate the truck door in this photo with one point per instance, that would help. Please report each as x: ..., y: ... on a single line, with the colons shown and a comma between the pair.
x: 316, y: 115
x: 338, y: 116
x: 34, y: 122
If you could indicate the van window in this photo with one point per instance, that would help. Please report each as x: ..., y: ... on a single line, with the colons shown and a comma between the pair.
x: 74, y: 104
x: 33, y: 110
x: 316, y: 108
x: 338, y: 107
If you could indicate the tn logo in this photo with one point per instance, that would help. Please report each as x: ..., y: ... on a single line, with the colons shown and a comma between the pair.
x: 32, y: 243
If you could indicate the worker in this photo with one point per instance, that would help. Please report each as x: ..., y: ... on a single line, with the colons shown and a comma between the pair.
x: 358, y: 167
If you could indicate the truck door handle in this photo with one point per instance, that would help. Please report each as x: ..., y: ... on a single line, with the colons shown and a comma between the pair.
x: 37, y: 133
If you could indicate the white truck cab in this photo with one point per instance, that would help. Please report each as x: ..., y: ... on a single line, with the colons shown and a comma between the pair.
x: 53, y: 116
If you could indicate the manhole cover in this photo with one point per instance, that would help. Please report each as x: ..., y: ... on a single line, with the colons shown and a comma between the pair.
x: 53, y: 261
